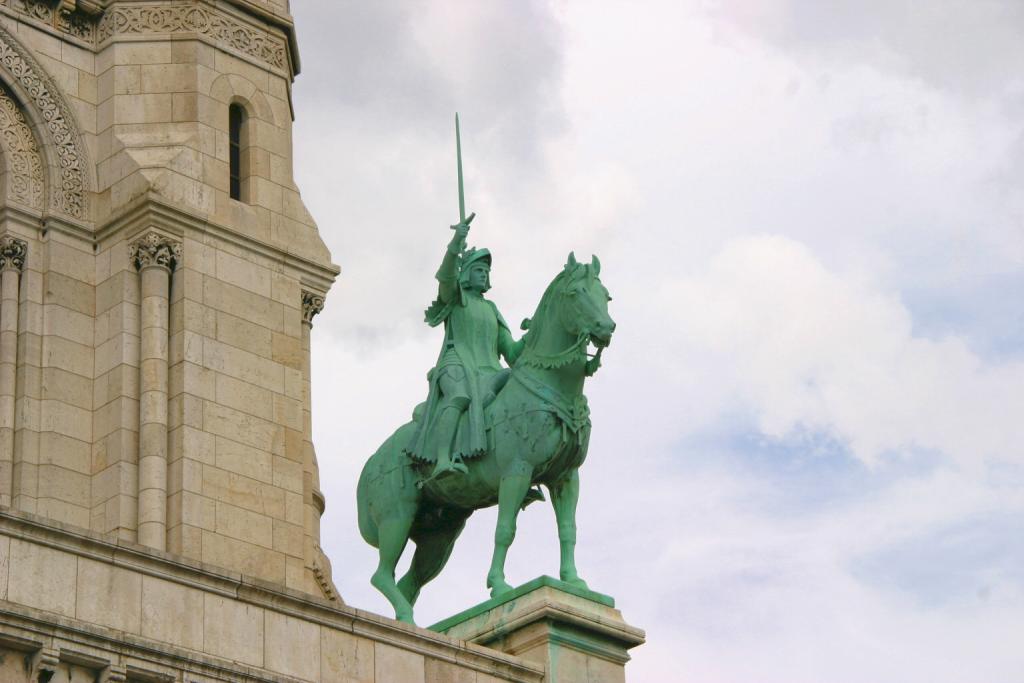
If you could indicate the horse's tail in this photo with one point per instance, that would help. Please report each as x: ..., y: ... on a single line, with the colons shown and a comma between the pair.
x: 367, y: 527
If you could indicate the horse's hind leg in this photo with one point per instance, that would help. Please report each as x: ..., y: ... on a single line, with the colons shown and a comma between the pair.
x: 432, y: 552
x: 393, y: 536
x: 511, y: 492
x: 564, y: 497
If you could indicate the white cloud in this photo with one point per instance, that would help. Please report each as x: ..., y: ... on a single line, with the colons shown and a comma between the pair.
x: 805, y: 348
x: 811, y: 228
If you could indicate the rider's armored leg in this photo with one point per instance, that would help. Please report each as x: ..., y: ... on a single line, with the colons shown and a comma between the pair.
x: 492, y: 385
x: 447, y: 424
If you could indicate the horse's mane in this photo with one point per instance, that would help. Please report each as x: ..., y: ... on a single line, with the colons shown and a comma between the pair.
x: 569, y: 276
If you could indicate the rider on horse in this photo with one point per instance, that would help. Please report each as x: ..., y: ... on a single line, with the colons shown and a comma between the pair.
x: 468, y: 373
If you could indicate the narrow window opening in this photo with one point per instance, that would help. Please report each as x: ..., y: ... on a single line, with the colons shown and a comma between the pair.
x: 236, y: 121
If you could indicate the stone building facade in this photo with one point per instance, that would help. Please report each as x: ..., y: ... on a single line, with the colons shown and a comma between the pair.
x: 156, y: 329
x: 159, y: 274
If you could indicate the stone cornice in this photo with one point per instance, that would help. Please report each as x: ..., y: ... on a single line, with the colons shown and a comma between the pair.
x: 153, y: 211
x: 12, y: 253
x: 31, y: 221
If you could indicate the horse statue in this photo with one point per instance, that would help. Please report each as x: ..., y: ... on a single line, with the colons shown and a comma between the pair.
x: 538, y: 429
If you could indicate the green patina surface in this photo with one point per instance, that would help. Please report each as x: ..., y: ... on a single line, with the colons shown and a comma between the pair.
x: 487, y: 434
x: 519, y: 592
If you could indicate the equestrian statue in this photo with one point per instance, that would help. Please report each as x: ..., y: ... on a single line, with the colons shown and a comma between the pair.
x: 486, y: 434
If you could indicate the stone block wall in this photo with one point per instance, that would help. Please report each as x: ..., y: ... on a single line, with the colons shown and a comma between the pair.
x: 164, y: 399
x: 79, y: 607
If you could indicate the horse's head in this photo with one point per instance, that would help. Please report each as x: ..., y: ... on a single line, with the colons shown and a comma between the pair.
x: 585, y: 307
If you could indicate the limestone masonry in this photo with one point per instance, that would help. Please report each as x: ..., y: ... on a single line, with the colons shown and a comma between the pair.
x: 159, y: 274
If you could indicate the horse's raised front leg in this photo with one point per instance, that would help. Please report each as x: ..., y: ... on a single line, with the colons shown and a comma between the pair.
x: 564, y: 497
x: 394, y: 534
x: 511, y: 492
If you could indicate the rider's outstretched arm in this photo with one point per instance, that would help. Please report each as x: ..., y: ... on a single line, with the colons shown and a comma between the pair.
x: 448, y: 274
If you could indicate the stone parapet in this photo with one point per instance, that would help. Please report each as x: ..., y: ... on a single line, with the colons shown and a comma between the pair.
x: 91, y: 606
x: 576, y: 634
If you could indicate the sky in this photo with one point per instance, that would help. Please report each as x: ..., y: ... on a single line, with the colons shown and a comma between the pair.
x: 807, y: 460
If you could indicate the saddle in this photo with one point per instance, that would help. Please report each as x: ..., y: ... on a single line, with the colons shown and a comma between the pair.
x: 488, y: 390
x: 488, y: 393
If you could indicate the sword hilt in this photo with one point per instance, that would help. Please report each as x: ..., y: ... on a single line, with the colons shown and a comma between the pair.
x: 469, y: 219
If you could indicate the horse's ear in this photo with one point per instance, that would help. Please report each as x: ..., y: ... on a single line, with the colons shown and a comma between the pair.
x: 571, y: 263
x: 595, y: 263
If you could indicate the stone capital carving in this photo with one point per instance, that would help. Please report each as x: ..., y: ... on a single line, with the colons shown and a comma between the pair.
x: 311, y: 305
x: 12, y: 253
x: 155, y: 250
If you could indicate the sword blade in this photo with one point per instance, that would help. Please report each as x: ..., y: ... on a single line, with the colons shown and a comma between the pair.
x: 458, y: 159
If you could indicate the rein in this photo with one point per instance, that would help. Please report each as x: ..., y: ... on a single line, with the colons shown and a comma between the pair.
x: 577, y: 351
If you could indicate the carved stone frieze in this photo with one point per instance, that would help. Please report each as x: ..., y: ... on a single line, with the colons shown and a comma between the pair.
x: 37, y: 9
x: 311, y: 305
x: 74, y: 23
x: 12, y: 253
x: 77, y: 24
x: 69, y: 185
x: 155, y: 250
x: 192, y: 18
x: 24, y: 163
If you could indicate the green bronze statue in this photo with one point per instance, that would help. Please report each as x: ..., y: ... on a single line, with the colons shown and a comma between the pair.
x: 468, y: 373
x: 487, y: 435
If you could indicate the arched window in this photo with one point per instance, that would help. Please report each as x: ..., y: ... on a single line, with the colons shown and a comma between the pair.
x: 237, y: 143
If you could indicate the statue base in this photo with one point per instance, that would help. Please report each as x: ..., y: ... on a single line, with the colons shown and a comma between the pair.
x: 577, y: 634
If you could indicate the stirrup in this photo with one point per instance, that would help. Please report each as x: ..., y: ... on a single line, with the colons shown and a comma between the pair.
x: 454, y: 467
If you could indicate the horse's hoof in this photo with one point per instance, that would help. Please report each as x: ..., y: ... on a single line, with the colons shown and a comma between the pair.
x: 498, y: 587
x: 577, y: 582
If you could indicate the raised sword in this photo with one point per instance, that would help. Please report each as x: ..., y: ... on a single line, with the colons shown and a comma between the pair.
x: 458, y: 162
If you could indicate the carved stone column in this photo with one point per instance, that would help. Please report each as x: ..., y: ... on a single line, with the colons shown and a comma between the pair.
x: 12, y: 261
x: 155, y: 257
x: 313, y: 499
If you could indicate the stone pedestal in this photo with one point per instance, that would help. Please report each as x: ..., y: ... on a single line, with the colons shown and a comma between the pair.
x: 577, y: 634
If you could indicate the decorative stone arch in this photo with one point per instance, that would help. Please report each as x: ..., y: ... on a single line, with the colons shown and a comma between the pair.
x: 22, y: 166
x: 229, y: 89
x: 44, y: 107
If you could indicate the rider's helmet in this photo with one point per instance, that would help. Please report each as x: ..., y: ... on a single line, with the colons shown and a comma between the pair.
x: 469, y: 257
